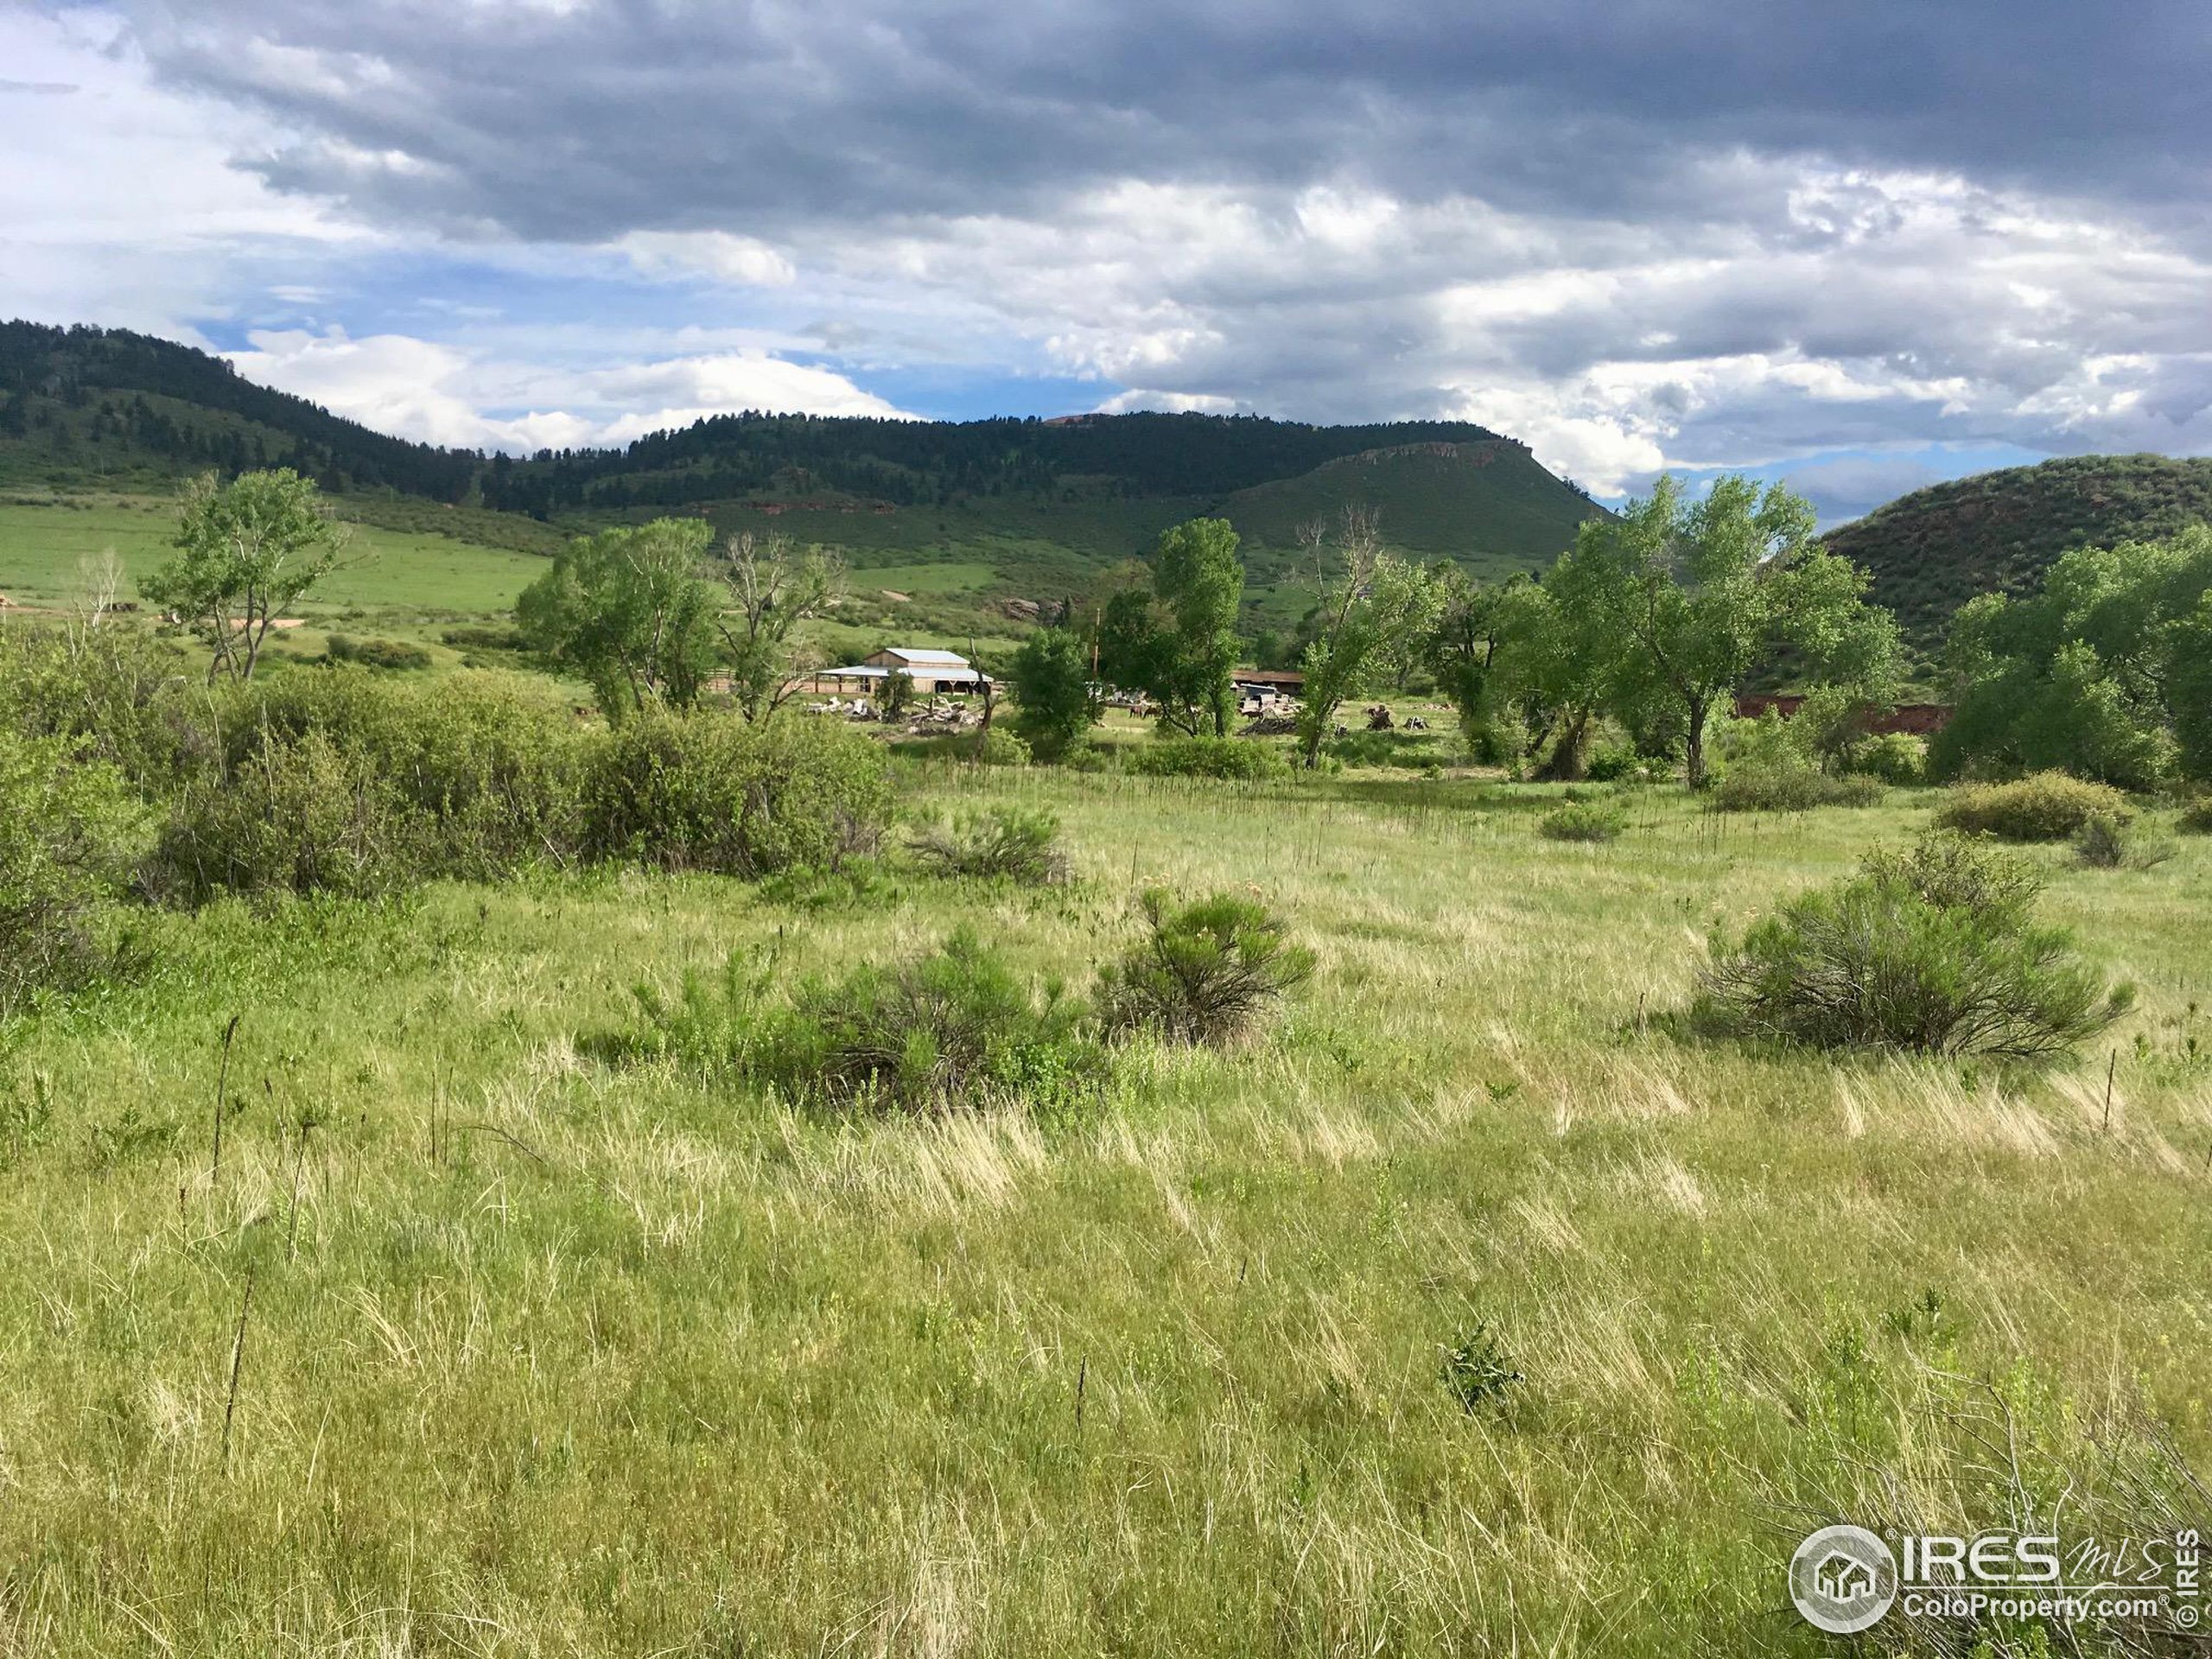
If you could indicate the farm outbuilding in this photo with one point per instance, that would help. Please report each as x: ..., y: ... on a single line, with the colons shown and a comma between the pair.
x: 932, y: 672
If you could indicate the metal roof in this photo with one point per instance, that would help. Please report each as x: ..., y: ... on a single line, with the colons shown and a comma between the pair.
x: 952, y: 658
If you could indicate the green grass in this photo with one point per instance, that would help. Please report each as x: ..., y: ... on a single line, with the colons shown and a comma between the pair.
x: 565, y: 1358
x: 42, y: 548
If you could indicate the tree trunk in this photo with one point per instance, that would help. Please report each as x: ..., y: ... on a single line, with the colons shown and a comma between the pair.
x: 1693, y: 745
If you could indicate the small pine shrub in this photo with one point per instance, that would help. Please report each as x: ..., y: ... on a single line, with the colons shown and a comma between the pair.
x: 1204, y: 972
x: 1013, y: 842
x: 2049, y: 806
x: 1207, y: 757
x: 1582, y: 821
x: 2106, y: 844
x: 954, y: 1030
x: 1934, y: 951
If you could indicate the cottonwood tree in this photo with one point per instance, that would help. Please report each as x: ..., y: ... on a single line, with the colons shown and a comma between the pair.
x: 1346, y: 625
x: 1698, y: 593
x: 1178, y: 644
x: 772, y: 587
x: 626, y: 610
x: 247, y: 552
x: 1056, y: 701
x: 2105, y: 672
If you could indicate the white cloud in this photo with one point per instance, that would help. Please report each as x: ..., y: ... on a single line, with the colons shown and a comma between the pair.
x: 714, y: 254
x: 438, y: 394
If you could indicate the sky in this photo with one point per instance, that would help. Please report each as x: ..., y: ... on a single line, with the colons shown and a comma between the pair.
x: 1860, y: 246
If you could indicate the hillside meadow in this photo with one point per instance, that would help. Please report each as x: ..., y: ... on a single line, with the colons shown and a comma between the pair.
x: 545, y: 1353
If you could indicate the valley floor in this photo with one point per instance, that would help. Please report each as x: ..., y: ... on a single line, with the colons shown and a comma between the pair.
x: 548, y: 1357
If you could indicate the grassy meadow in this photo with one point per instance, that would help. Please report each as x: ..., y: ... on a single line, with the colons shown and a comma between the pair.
x: 44, y: 548
x: 547, y: 1354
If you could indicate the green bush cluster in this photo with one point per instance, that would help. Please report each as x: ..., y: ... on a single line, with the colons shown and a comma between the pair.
x: 2049, y: 806
x: 1932, y: 951
x: 391, y: 654
x: 2196, y: 818
x: 70, y: 835
x: 1791, y: 789
x: 1206, y: 757
x: 343, y: 780
x: 1894, y: 758
x: 1582, y: 821
x: 712, y: 792
x: 961, y: 1028
x: 955, y: 1029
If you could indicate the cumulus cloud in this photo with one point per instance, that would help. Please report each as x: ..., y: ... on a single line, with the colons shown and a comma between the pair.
x: 437, y: 394
x: 1641, y: 237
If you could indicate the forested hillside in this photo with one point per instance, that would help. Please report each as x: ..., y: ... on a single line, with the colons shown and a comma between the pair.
x: 1932, y: 550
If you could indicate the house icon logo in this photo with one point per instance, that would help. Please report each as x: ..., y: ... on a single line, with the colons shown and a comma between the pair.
x: 1843, y: 1579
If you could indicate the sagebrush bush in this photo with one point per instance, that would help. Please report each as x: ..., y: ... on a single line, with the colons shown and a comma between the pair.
x: 1015, y: 842
x: 1206, y: 757
x: 2048, y: 806
x: 953, y: 1030
x: 1582, y: 821
x: 708, y: 791
x: 70, y: 835
x: 1932, y: 951
x: 1204, y: 972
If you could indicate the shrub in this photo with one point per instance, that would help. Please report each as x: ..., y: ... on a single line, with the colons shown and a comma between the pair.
x: 1204, y: 972
x: 2197, y: 817
x: 1934, y: 950
x: 995, y: 748
x: 69, y: 835
x: 1612, y: 764
x: 1011, y: 841
x: 1206, y: 757
x: 1582, y: 821
x: 483, y: 638
x: 1479, y: 1370
x: 346, y: 782
x: 2106, y: 844
x: 1894, y: 757
x: 298, y: 817
x: 1791, y: 789
x: 2049, y: 806
x: 393, y: 654
x: 957, y: 1028
x: 708, y: 791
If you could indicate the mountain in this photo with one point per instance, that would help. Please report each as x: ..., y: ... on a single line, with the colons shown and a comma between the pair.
x: 1930, y: 551
x: 1010, y: 505
x: 1484, y: 501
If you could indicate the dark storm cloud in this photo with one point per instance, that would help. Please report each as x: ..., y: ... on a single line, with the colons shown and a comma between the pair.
x: 582, y: 122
